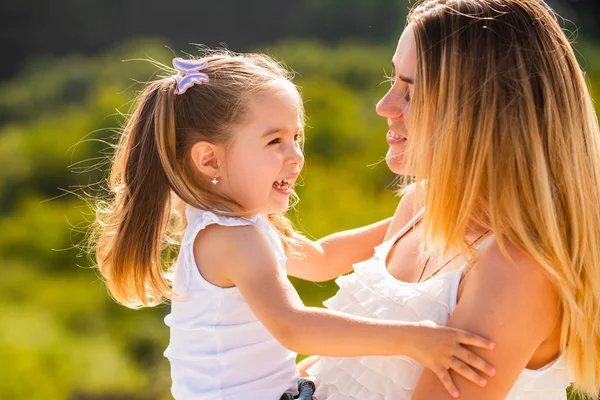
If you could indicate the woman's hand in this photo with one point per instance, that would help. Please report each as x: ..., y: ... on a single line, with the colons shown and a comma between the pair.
x: 440, y: 349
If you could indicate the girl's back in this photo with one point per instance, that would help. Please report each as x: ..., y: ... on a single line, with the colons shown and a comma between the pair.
x: 218, y: 348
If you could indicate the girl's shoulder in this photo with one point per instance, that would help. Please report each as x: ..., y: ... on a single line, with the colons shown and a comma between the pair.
x: 227, y: 237
x: 218, y: 242
x: 198, y: 218
x: 221, y: 250
x: 216, y: 232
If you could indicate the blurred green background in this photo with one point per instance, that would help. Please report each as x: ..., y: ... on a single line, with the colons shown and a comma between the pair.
x: 61, y: 95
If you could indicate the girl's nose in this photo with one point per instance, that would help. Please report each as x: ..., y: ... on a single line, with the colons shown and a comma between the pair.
x: 295, y: 156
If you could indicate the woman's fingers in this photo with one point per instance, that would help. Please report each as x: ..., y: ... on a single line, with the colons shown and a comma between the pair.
x: 446, y: 379
x: 474, y: 340
x: 461, y: 368
x: 475, y: 361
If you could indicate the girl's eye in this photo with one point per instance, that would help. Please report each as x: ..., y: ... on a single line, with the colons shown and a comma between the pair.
x: 275, y: 141
x: 297, y: 137
x: 407, y: 96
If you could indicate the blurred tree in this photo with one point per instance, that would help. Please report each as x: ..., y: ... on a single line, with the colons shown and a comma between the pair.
x: 582, y: 15
x: 35, y: 28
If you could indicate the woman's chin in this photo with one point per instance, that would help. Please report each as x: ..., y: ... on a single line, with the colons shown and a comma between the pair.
x: 396, y: 163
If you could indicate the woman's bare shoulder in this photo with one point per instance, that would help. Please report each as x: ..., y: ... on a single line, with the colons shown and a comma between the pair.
x: 512, y: 264
x: 499, y: 275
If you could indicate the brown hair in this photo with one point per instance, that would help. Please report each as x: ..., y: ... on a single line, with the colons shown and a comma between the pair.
x: 504, y: 134
x: 153, y: 178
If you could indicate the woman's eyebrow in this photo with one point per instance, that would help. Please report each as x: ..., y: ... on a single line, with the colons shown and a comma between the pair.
x: 406, y: 79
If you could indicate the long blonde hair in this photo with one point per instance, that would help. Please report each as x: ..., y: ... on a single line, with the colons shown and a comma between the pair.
x: 153, y: 178
x: 504, y: 134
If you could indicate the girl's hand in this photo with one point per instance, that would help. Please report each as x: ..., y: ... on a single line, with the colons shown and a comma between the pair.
x: 440, y: 349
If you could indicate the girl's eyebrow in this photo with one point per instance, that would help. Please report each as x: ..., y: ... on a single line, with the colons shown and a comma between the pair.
x: 406, y: 79
x: 270, y: 132
x: 277, y: 130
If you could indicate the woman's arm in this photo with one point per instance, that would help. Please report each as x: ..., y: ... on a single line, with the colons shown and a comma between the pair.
x: 515, y: 306
x: 334, y: 255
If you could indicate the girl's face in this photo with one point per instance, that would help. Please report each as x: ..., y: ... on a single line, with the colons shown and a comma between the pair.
x: 264, y: 159
x: 395, y: 105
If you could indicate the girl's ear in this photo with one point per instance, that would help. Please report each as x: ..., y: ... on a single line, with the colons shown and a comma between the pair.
x: 205, y: 157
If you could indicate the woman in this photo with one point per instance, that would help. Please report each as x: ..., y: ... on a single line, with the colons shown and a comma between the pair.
x: 489, y: 112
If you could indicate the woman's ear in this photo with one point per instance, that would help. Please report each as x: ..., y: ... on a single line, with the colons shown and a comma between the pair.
x: 205, y: 157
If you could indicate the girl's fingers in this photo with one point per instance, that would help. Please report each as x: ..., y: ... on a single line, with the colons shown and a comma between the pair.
x: 474, y: 360
x: 467, y: 372
x: 446, y: 379
x: 474, y: 340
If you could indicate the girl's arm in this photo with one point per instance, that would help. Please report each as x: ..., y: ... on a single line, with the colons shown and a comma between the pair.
x: 516, y: 306
x: 334, y: 255
x: 244, y: 256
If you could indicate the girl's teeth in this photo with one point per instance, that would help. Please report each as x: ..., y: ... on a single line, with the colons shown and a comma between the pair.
x: 281, y: 184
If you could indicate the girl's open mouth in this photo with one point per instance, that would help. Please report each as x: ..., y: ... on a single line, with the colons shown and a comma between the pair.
x: 284, y: 186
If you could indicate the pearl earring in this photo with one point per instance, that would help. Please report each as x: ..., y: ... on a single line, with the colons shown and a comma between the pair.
x: 215, y: 181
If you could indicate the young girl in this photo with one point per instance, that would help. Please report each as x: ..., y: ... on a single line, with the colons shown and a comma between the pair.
x: 216, y: 149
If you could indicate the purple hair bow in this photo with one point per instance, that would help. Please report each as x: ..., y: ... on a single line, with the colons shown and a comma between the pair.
x: 188, y: 73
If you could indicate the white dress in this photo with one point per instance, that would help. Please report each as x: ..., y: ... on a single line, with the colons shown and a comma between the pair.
x: 371, y: 291
x: 218, y: 349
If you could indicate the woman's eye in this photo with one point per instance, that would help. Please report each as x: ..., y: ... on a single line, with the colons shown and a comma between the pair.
x: 297, y: 137
x: 407, y: 96
x: 275, y: 141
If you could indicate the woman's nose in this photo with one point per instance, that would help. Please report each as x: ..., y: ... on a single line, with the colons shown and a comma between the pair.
x: 389, y: 106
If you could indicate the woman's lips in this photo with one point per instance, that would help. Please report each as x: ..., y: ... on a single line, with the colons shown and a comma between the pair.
x: 393, y: 138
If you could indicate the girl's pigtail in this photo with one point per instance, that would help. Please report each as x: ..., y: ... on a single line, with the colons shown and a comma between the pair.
x: 130, y: 245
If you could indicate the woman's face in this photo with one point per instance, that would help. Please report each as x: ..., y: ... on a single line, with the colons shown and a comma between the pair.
x: 395, y: 105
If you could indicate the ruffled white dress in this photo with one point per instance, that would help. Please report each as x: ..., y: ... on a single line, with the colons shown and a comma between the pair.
x: 371, y: 291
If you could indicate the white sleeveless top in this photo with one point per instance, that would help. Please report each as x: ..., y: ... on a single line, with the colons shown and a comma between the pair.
x: 218, y: 349
x: 371, y: 291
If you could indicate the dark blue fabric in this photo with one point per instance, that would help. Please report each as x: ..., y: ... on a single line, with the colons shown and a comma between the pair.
x: 306, y: 388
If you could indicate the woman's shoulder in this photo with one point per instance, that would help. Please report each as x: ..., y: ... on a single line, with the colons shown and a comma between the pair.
x: 504, y: 272
x: 507, y: 262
